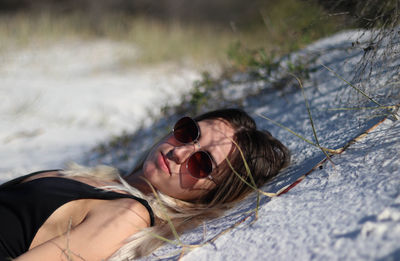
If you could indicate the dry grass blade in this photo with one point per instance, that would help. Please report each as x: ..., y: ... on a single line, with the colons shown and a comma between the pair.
x: 267, y: 194
x: 339, y: 151
x: 311, y: 118
x: 228, y: 229
x: 333, y: 151
x: 248, y: 172
x: 248, y: 184
x: 162, y: 207
x: 393, y: 83
x: 392, y: 108
x: 253, y: 185
x: 165, y: 239
x: 289, y: 130
x: 351, y: 85
x: 68, y: 249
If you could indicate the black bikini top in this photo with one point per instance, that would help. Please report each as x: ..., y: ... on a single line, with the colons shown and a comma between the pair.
x: 24, y: 207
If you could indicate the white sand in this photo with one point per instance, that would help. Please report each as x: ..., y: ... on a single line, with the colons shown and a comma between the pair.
x: 58, y: 102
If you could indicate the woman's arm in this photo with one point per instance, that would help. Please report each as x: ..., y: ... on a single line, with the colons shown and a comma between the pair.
x: 101, y: 233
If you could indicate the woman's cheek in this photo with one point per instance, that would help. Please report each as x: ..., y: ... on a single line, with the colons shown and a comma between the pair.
x: 187, y: 181
x: 149, y: 170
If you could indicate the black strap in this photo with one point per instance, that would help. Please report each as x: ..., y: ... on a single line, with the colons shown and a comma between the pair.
x: 120, y: 195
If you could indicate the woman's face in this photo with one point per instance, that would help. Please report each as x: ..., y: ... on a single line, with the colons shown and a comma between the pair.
x: 165, y: 166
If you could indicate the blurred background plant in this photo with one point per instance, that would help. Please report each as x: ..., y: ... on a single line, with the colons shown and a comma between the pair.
x: 197, y: 31
x: 201, y: 31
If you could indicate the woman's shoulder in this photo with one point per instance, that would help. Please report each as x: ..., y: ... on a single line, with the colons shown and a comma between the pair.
x: 42, y: 174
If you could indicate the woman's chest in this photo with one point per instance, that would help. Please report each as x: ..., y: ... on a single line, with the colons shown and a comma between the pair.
x: 63, y: 219
x: 62, y: 204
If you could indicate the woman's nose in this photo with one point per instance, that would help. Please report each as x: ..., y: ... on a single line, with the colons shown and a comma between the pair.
x: 179, y: 154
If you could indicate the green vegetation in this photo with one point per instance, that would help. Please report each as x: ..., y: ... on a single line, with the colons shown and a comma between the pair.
x: 288, y: 26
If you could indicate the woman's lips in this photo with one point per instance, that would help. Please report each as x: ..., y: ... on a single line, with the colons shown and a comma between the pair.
x: 163, y: 163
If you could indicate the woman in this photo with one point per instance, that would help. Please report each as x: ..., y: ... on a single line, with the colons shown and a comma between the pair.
x: 94, y: 214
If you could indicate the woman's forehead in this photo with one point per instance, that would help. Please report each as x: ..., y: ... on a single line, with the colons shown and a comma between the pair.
x: 217, y: 128
x: 216, y: 137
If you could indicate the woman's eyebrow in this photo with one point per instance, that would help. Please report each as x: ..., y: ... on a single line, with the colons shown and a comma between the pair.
x: 212, y: 158
x: 209, y: 153
x: 207, y: 150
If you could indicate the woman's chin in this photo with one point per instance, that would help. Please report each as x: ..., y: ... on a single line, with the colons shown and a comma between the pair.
x: 152, y: 174
x: 149, y: 170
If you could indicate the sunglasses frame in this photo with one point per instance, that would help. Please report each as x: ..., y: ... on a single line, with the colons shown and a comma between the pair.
x: 196, y: 142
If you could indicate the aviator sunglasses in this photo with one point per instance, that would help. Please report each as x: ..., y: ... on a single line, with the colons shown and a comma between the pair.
x: 200, y: 163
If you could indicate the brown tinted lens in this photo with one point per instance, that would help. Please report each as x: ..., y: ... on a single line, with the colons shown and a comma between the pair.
x: 186, y: 130
x: 199, y: 164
